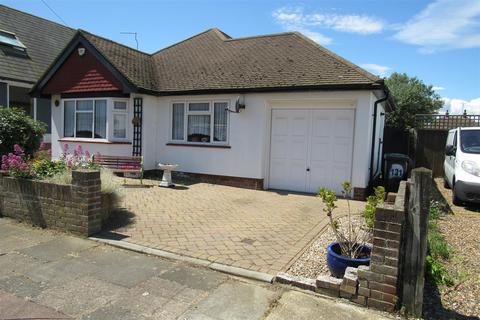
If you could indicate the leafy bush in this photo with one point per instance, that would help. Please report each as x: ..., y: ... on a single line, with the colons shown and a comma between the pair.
x: 16, y: 127
x: 47, y: 168
x: 378, y: 197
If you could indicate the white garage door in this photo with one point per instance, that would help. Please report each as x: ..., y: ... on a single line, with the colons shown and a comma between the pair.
x: 310, y: 148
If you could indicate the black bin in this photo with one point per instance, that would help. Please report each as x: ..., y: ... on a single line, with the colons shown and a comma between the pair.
x: 395, y: 170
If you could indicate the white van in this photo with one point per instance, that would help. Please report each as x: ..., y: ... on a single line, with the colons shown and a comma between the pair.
x: 462, y: 164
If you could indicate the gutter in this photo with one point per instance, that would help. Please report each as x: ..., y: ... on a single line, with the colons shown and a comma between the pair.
x: 372, y: 153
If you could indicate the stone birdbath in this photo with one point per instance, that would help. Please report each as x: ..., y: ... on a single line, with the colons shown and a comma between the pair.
x: 167, y: 174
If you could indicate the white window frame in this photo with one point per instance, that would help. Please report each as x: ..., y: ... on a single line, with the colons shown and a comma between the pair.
x: 108, y: 101
x: 122, y: 112
x: 210, y: 112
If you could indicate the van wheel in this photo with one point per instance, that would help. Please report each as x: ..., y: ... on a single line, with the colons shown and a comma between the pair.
x: 455, y: 200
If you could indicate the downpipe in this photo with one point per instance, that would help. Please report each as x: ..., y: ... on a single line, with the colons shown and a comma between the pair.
x: 372, y: 153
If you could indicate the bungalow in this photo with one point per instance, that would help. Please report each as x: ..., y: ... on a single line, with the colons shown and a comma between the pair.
x: 28, y: 45
x: 268, y: 112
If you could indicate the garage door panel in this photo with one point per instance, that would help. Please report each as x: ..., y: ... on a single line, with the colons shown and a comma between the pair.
x: 320, y: 176
x: 316, y: 139
x: 321, y: 149
x: 342, y: 152
x: 278, y: 147
x: 289, y: 149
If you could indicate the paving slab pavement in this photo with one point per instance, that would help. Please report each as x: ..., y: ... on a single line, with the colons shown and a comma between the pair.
x: 57, y: 276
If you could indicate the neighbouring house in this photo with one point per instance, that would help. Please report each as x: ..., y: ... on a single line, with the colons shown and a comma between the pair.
x: 28, y: 45
x: 268, y: 112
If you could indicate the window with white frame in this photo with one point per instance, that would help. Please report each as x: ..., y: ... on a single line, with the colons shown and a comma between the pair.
x: 200, y: 122
x: 85, y: 118
x: 120, y: 115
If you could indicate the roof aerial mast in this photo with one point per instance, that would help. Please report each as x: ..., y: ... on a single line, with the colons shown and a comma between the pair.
x: 134, y: 33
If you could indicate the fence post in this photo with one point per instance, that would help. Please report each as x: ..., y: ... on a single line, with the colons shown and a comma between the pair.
x: 415, y: 236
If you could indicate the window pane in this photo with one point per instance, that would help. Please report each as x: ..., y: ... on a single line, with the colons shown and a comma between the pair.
x: 120, y: 105
x: 84, y: 105
x: 84, y: 125
x: 178, y: 121
x: 220, y: 121
x: 101, y: 119
x: 199, y: 128
x: 69, y: 118
x: 119, y: 125
x: 199, y: 106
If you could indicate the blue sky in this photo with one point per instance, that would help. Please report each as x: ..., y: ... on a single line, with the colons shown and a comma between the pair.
x: 437, y: 40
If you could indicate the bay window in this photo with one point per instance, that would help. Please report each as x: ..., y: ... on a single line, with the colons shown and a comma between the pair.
x: 120, y: 119
x: 200, y: 122
x: 88, y: 118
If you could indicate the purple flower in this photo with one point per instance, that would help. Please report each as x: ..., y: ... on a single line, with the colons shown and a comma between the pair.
x: 18, y: 150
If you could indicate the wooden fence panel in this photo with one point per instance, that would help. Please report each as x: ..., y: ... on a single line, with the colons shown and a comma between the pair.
x: 429, y: 150
x: 415, y: 241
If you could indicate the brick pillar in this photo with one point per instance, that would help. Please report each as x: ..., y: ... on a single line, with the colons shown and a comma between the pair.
x: 379, y: 282
x: 87, y: 197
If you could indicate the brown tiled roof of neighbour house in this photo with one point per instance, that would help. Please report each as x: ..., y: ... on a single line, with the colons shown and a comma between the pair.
x: 212, y: 61
x: 44, y: 40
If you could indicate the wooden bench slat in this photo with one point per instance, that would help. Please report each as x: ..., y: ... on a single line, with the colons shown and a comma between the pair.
x: 120, y: 163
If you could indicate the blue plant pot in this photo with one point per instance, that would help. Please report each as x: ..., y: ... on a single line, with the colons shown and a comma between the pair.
x: 338, y: 263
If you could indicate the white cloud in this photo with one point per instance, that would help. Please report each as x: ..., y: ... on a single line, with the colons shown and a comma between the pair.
x: 296, y: 19
x: 456, y: 106
x: 443, y: 25
x: 377, y: 69
x: 438, y: 88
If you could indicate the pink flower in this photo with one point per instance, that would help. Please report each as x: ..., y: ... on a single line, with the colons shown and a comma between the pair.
x: 18, y: 150
x: 65, y: 148
x: 87, y: 154
x: 42, y: 147
x: 49, y: 152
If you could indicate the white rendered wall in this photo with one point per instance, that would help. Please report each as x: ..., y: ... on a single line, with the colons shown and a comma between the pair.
x: 248, y: 133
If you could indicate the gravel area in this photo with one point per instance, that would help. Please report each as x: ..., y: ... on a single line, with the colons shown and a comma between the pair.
x: 313, y: 262
x: 462, y: 301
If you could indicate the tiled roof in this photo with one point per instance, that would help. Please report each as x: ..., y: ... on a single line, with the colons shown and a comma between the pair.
x: 213, y: 61
x: 136, y: 66
x: 44, y: 40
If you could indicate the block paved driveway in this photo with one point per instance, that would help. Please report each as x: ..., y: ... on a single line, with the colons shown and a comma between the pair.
x: 257, y: 230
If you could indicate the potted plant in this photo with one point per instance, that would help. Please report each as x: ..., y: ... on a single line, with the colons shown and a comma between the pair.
x: 350, y: 248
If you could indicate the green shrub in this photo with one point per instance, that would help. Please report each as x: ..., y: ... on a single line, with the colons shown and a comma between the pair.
x: 16, y: 127
x: 378, y: 197
x: 439, y: 250
x: 47, y: 168
x: 110, y: 183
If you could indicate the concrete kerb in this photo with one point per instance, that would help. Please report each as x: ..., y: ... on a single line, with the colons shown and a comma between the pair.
x: 235, y: 271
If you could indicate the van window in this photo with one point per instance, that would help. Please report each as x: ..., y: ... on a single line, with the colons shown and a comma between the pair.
x: 470, y: 141
x: 455, y: 139
x: 450, y: 138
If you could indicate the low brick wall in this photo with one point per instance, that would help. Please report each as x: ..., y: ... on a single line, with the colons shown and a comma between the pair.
x: 75, y: 208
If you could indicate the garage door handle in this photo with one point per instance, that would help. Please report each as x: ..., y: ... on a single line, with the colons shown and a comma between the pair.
x: 308, y: 169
